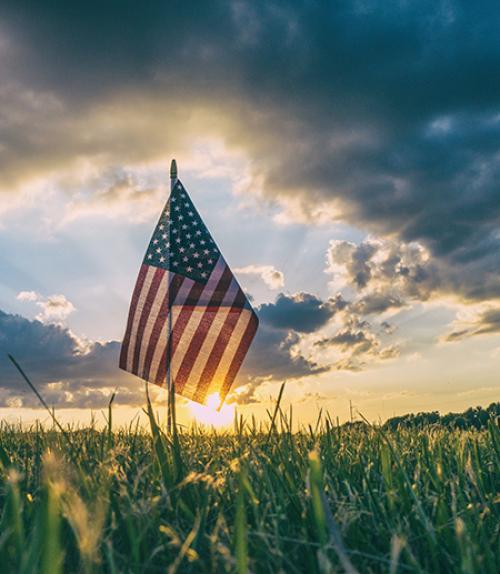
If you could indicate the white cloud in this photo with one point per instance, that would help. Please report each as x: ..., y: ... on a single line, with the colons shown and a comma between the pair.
x: 271, y: 276
x: 27, y: 296
x: 54, y: 308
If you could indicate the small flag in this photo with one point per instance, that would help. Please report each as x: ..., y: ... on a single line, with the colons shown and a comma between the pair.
x: 187, y: 309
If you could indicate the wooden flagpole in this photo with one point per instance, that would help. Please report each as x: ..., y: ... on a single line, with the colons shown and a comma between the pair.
x: 171, y: 422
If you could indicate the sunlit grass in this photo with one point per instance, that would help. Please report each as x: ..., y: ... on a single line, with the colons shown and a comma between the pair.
x: 252, y: 498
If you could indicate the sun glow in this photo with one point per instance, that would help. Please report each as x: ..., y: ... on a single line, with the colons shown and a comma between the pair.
x: 208, y: 414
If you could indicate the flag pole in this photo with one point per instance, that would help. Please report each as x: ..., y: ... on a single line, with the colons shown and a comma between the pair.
x: 170, y: 381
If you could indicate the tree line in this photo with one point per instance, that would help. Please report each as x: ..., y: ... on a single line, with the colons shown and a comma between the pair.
x: 472, y: 418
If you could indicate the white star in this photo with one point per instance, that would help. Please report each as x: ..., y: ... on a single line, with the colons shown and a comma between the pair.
x: 161, y: 227
x: 191, y: 245
x: 184, y: 226
x: 177, y: 239
x: 210, y: 261
x: 155, y: 241
x: 150, y: 256
x: 188, y: 235
x: 200, y: 264
x: 189, y: 269
x: 190, y: 213
x: 176, y: 208
x: 181, y: 249
x: 175, y: 263
x: 196, y: 254
x: 204, y: 274
x: 202, y: 242
x: 158, y: 250
x: 185, y: 259
x: 174, y: 230
x: 186, y: 204
x: 164, y: 236
x: 181, y: 217
x: 206, y: 251
x: 162, y: 259
x: 195, y: 223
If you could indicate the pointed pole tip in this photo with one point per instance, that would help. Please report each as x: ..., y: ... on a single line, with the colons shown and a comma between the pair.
x: 173, y: 169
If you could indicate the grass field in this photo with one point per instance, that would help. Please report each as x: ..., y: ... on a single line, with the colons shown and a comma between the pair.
x: 257, y: 499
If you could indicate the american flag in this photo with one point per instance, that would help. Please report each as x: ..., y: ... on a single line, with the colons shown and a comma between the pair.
x: 212, y: 322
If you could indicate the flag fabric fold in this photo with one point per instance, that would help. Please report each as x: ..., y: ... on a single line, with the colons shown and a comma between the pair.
x: 187, y: 310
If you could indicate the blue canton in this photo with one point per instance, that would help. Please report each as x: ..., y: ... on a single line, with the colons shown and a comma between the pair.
x: 181, y: 243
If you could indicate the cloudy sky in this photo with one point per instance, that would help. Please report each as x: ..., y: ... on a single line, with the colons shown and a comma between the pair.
x: 345, y: 157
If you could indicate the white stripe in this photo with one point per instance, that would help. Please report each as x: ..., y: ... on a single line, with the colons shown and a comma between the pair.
x: 208, y: 344
x: 153, y: 314
x: 137, y: 316
x: 194, y: 319
x: 161, y: 345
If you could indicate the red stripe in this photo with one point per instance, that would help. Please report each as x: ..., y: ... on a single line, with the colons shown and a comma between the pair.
x: 200, y: 335
x: 161, y: 371
x: 145, y: 315
x: 160, y: 321
x: 220, y: 345
x: 131, y: 314
x: 213, y: 308
x: 239, y: 356
x: 177, y: 330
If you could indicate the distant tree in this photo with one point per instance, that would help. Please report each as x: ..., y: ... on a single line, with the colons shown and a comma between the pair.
x: 474, y: 417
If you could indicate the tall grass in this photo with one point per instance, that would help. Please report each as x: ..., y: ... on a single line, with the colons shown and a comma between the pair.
x: 258, y: 499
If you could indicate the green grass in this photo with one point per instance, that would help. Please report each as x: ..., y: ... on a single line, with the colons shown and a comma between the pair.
x: 258, y: 499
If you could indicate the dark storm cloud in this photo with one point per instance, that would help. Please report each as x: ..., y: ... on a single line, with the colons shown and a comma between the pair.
x: 67, y: 373
x: 391, y: 113
x: 359, y: 344
x: 273, y: 352
x: 346, y: 339
x: 378, y: 302
x: 271, y: 355
x: 388, y: 273
x: 301, y: 312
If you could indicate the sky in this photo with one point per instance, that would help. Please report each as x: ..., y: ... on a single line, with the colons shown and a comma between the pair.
x: 345, y: 156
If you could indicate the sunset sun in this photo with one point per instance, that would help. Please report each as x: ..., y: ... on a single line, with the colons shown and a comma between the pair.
x: 209, y: 413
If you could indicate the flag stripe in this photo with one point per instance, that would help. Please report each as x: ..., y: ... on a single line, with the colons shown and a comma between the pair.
x: 221, y: 342
x: 179, y: 321
x: 187, y: 317
x: 230, y: 349
x: 159, y: 365
x: 201, y: 332
x: 158, y: 308
x: 159, y: 336
x: 203, y: 356
x: 131, y: 315
x: 218, y: 319
x: 138, y: 314
x: 146, y: 313
x: 240, y: 354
